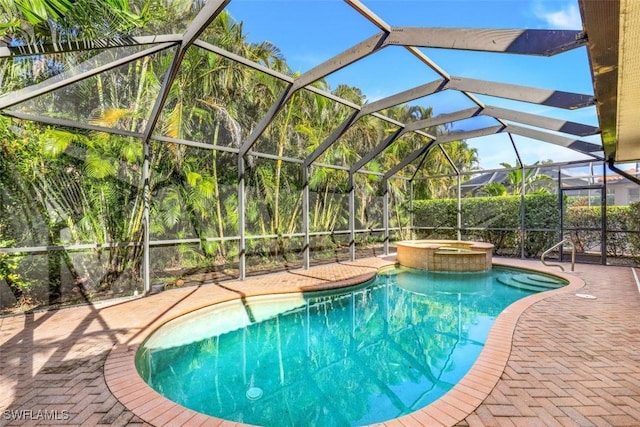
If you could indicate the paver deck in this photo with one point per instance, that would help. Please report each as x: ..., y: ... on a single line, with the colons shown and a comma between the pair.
x: 559, y: 360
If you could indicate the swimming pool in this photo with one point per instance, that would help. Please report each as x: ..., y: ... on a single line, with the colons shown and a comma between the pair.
x: 347, y: 357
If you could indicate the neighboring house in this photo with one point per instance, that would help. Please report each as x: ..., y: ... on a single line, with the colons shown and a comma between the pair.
x: 620, y: 189
x: 473, y: 187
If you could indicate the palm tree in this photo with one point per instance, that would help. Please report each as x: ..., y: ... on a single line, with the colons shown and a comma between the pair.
x: 517, y: 178
x: 53, y: 21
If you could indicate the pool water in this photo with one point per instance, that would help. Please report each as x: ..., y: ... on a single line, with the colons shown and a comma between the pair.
x: 348, y: 357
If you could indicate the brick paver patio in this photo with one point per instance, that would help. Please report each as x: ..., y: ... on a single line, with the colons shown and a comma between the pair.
x: 573, y: 361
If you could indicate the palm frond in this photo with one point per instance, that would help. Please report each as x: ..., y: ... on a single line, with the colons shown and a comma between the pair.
x: 173, y: 125
x: 56, y: 141
x: 111, y: 117
x: 193, y: 178
x: 98, y: 167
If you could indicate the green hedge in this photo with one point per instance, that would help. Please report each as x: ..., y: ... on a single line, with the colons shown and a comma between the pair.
x: 495, y: 214
x: 541, y: 212
x: 633, y: 221
x: 619, y: 220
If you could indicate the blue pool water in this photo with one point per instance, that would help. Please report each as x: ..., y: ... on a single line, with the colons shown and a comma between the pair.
x: 347, y: 357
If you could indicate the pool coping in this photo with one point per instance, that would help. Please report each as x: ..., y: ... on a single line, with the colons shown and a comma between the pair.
x: 129, y: 388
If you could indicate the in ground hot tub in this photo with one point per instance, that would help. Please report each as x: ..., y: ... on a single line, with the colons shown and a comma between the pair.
x: 445, y: 255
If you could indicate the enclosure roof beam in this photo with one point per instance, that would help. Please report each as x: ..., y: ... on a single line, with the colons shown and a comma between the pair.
x: 242, y: 60
x: 531, y: 42
x: 348, y: 57
x: 518, y: 41
x: 521, y: 93
x: 273, y: 73
x: 497, y: 113
x: 477, y: 133
x: 427, y: 61
x: 372, y: 108
x: 78, y: 73
x: 79, y: 45
x: 405, y: 96
x: 377, y: 150
x: 515, y: 150
x: 446, y: 155
x: 573, y: 144
x: 407, y: 160
x: 415, y: 172
x: 378, y: 22
x: 549, y: 123
x: 367, y: 13
x: 548, y: 97
x: 337, y: 133
x: 275, y: 108
x: 355, y: 53
x: 442, y: 119
x: 56, y: 121
x: 206, y: 15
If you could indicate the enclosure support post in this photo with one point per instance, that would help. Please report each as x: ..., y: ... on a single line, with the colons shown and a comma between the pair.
x: 352, y: 218
x: 458, y: 190
x: 459, y: 208
x: 603, y: 216
x: 522, y: 200
x: 146, y: 194
x: 206, y: 15
x: 241, y: 220
x: 411, y: 236
x: 305, y: 215
x: 561, y: 210
x: 385, y: 215
x: 522, y: 209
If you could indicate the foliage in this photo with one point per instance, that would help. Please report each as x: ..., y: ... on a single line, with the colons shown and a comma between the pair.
x: 493, y: 189
x: 9, y: 272
x: 63, y: 186
x: 594, y: 200
x: 495, y: 220
x: 587, y: 234
x: 517, y: 178
x: 53, y: 21
x: 634, y: 225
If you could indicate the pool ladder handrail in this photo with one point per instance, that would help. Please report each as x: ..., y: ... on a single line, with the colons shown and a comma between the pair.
x: 573, y: 254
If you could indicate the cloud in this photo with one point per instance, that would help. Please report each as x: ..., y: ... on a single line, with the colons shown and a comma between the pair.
x: 565, y: 19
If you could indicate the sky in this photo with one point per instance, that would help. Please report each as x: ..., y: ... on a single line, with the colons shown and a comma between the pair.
x: 308, y: 32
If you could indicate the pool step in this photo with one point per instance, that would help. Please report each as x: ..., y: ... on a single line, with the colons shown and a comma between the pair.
x: 532, y: 279
x: 530, y: 282
x: 508, y: 280
x: 552, y: 282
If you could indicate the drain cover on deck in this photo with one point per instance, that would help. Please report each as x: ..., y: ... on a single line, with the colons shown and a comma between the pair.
x: 585, y: 296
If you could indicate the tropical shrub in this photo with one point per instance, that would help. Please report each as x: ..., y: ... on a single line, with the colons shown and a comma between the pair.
x: 586, y: 224
x: 494, y: 219
x: 634, y: 226
x: 542, y: 222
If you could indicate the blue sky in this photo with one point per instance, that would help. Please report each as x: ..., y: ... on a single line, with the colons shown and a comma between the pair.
x: 309, y: 32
